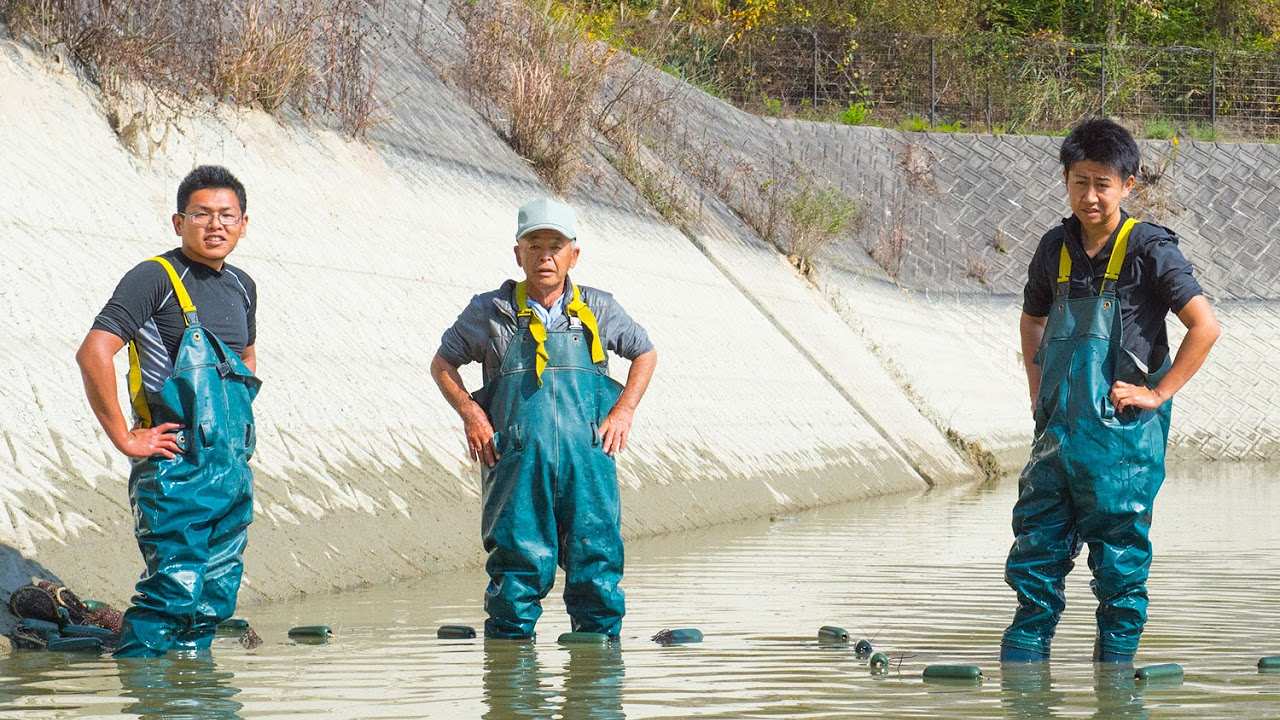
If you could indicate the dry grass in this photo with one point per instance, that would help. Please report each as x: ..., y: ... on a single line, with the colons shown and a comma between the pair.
x: 554, y: 94
x: 269, y: 63
x: 977, y: 268
x: 636, y: 115
x: 1153, y: 196
x: 188, y: 59
x: 782, y: 202
x: 890, y: 246
x: 535, y: 81
x: 916, y: 168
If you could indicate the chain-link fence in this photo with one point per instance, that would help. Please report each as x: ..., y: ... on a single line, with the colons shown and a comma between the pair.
x: 988, y: 82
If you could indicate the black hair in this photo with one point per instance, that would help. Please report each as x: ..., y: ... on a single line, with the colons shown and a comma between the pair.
x: 210, y: 177
x: 1102, y: 141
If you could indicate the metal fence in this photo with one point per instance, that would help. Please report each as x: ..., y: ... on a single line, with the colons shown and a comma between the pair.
x: 990, y: 82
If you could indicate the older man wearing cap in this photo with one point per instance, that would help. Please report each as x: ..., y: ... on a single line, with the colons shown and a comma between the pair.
x: 545, y: 428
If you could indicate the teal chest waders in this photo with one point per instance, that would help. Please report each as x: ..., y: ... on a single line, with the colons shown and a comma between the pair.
x: 191, y: 513
x: 1092, y: 477
x: 552, y: 498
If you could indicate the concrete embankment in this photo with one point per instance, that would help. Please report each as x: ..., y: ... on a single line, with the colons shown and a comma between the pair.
x: 775, y: 391
x: 957, y: 217
x: 363, y: 254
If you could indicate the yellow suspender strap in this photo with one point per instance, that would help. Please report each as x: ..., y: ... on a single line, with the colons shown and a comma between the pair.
x: 184, y: 300
x: 576, y: 307
x: 1113, y: 266
x: 1064, y: 264
x: 1117, y: 252
x: 137, y: 397
x: 536, y: 329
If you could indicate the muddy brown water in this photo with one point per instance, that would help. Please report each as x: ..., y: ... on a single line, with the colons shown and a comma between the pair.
x: 919, y: 575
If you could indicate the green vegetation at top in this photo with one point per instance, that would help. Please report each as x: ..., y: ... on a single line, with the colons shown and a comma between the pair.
x: 1206, y: 23
x: 1164, y: 67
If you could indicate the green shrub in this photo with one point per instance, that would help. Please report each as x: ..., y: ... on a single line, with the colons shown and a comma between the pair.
x: 1160, y: 130
x: 913, y: 123
x: 816, y: 217
x: 855, y: 114
x: 1203, y: 131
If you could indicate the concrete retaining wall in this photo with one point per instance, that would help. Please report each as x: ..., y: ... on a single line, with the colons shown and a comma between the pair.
x: 363, y: 254
x: 969, y: 210
x: 774, y: 390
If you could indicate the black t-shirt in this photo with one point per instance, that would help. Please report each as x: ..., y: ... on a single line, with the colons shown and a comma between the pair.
x: 1155, y: 279
x: 144, y: 309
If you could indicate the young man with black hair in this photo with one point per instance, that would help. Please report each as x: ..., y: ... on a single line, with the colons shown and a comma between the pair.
x: 1096, y: 353
x: 189, y: 320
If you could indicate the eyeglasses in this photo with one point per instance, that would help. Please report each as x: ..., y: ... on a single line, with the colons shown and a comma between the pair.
x: 202, y: 219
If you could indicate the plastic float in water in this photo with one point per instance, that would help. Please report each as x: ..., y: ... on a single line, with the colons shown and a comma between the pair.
x: 1169, y: 672
x: 583, y: 638
x: 967, y: 673
x: 679, y: 636
x: 879, y: 663
x: 311, y: 634
x: 233, y: 626
x: 88, y: 631
x: 833, y: 634
x: 455, y: 632
x: 75, y: 644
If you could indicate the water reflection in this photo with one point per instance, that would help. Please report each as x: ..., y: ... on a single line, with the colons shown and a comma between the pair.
x: 42, y: 679
x: 919, y: 575
x: 1026, y: 691
x: 517, y: 685
x: 1118, y: 696
x: 514, y: 686
x: 593, y: 683
x: 179, y: 687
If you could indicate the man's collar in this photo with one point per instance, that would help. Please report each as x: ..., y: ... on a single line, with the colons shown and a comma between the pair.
x: 1075, y: 238
x: 195, y: 265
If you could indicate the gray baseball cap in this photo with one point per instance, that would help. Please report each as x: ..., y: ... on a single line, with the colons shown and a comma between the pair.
x: 547, y: 214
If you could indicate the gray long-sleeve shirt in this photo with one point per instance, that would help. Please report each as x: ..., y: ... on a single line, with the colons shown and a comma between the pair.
x: 485, y: 328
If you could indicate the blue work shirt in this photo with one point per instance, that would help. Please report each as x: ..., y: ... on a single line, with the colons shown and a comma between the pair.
x: 1155, y: 279
x: 550, y: 315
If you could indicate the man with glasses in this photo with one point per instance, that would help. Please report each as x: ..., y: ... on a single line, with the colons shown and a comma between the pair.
x: 189, y: 320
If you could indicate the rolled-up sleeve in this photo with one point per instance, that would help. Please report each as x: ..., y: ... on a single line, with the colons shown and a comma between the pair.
x: 1172, y: 274
x: 465, y: 340
x: 1037, y: 294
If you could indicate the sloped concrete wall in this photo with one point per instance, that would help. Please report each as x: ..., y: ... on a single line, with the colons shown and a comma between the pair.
x: 363, y: 254
x: 969, y: 210
x: 774, y: 390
